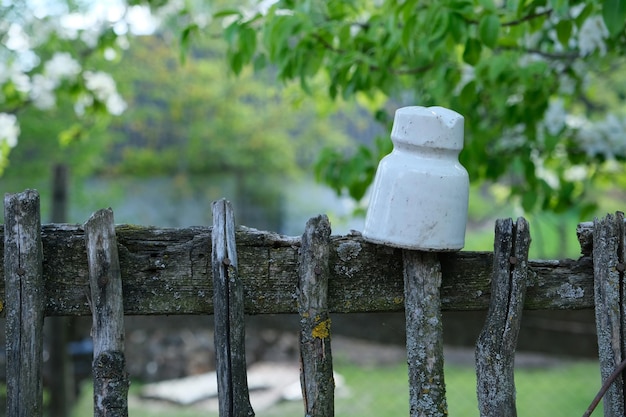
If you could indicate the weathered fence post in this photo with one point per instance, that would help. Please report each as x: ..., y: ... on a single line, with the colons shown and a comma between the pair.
x: 316, y: 364
x: 610, y: 304
x: 25, y: 302
x: 424, y: 334
x: 495, y: 349
x: 230, y: 355
x: 109, y: 365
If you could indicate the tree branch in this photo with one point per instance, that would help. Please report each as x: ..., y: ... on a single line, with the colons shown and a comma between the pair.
x: 527, y: 18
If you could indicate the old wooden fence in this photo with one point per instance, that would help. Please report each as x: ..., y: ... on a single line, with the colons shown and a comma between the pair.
x: 60, y: 270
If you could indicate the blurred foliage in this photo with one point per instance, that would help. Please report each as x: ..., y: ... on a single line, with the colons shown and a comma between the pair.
x: 519, y: 72
x: 184, y: 118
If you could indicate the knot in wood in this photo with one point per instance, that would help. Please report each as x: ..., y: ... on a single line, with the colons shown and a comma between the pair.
x: 317, y: 270
x: 513, y: 260
x: 21, y: 271
x: 621, y: 267
x: 226, y: 261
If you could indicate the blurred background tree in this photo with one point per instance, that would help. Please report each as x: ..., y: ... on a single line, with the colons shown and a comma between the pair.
x: 530, y: 77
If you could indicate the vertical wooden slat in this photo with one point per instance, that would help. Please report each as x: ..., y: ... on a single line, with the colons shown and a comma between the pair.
x: 230, y: 355
x: 608, y: 269
x: 109, y: 365
x: 424, y: 334
x: 495, y: 349
x: 25, y: 302
x: 316, y: 374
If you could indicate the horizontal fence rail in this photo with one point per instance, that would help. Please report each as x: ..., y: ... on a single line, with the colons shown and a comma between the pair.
x: 164, y: 271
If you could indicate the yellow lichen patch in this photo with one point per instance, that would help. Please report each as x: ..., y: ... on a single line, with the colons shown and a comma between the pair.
x: 1, y: 306
x: 322, y: 330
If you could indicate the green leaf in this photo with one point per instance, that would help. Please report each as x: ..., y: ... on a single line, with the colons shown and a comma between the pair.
x: 227, y: 12
x: 529, y: 199
x: 488, y: 30
x: 473, y: 48
x: 440, y: 20
x: 247, y: 43
x: 458, y: 27
x: 488, y: 5
x: 564, y: 31
x: 467, y: 98
x: 614, y: 15
x: 497, y: 65
x: 560, y: 7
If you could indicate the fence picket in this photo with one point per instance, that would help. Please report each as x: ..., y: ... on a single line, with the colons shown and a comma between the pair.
x: 25, y: 301
x: 424, y: 334
x: 316, y: 373
x: 109, y: 374
x: 230, y: 354
x: 495, y: 349
x: 609, y: 266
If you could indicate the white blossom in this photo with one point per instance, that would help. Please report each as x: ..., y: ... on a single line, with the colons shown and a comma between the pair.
x: 554, y: 117
x: 18, y: 39
x: 544, y: 173
x: 61, y: 66
x: 103, y: 88
x: 592, y: 35
x: 605, y: 138
x: 575, y: 173
x: 82, y: 102
x: 141, y: 21
x: 42, y: 92
x: 9, y: 129
x: 115, y: 104
x: 512, y: 138
x: 100, y: 84
x: 90, y: 37
x: 567, y: 85
x: 12, y: 73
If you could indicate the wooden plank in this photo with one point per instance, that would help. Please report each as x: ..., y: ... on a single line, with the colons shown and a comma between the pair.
x: 608, y: 262
x: 109, y: 364
x: 230, y: 354
x: 159, y: 266
x: 24, y: 304
x: 495, y: 349
x: 424, y: 334
x: 316, y: 363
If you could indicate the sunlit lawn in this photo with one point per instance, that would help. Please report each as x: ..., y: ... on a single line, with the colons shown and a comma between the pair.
x: 563, y: 390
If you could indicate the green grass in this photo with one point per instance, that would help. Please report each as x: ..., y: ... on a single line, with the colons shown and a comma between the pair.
x: 559, y: 391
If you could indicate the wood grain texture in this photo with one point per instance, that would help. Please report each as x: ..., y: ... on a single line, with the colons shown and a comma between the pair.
x: 608, y: 262
x: 495, y: 349
x: 424, y: 335
x: 110, y: 380
x: 230, y: 353
x: 24, y: 304
x: 167, y: 271
x: 316, y: 363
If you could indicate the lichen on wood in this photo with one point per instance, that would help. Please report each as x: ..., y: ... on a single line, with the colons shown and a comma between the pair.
x: 424, y: 334
x: 316, y: 366
x: 165, y: 271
